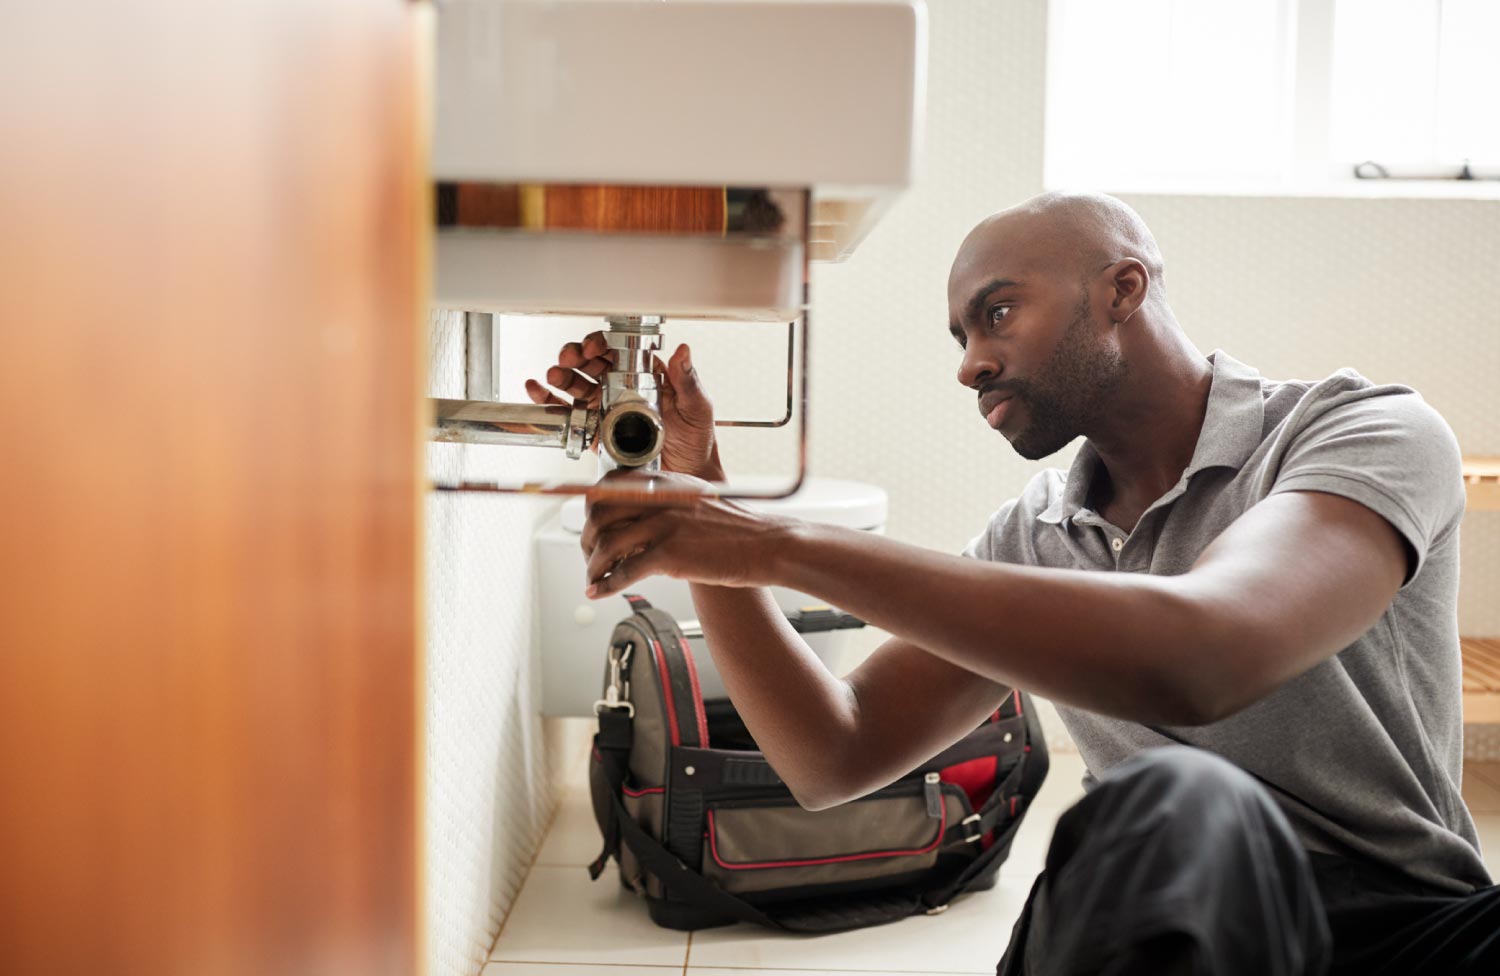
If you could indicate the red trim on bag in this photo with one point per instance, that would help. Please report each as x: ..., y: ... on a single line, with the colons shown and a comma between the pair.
x: 1017, y: 693
x: 702, y: 716
x: 595, y: 751
x: 976, y: 777
x: 666, y: 690
x: 646, y: 792
x: 713, y: 848
x: 1013, y: 805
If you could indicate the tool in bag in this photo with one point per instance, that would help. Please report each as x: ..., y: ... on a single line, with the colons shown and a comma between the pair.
x: 707, y: 833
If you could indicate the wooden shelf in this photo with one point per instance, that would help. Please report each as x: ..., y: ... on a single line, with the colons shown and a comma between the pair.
x: 1482, y: 483
x: 1481, y: 679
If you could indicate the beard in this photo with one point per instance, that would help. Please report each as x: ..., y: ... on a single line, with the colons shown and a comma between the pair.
x: 1072, y: 390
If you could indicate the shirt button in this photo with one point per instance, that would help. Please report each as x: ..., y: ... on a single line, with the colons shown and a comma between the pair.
x: 1117, y: 544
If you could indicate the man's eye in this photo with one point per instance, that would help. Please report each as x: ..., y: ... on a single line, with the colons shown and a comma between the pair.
x: 998, y: 313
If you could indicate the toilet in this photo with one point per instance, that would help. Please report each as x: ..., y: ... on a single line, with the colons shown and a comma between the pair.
x: 574, y: 631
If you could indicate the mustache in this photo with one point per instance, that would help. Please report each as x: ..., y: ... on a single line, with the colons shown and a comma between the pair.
x: 1003, y: 387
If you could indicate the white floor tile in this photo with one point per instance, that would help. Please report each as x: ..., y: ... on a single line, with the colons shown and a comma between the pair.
x: 967, y: 938
x: 573, y: 969
x: 557, y: 904
x: 573, y: 839
x: 1064, y: 785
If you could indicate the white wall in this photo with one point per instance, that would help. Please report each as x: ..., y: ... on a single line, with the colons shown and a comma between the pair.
x: 492, y: 764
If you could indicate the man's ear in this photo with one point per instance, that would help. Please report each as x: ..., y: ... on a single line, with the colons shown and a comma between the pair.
x: 1129, y: 281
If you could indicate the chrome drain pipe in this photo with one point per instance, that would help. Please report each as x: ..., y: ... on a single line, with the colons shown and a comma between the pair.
x: 514, y: 424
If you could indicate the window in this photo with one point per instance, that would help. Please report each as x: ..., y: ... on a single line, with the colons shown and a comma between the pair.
x: 1269, y: 93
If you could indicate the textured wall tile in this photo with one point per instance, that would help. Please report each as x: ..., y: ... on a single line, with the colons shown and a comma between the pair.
x: 489, y: 792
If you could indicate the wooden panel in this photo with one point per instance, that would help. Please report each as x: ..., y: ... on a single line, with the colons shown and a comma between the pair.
x: 210, y: 275
x: 1482, y: 483
x: 1481, y: 679
x: 636, y: 208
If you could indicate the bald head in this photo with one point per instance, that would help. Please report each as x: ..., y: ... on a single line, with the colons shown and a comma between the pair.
x: 1074, y: 234
x: 1049, y: 301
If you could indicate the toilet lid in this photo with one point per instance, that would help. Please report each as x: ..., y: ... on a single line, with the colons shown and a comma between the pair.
x: 851, y: 504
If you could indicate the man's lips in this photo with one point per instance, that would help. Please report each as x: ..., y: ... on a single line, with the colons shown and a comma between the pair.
x: 997, y: 416
x: 994, y: 407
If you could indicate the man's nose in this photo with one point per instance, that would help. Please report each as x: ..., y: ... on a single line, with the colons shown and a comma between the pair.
x: 978, y: 366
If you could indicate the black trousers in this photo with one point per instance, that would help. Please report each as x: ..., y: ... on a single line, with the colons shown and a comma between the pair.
x: 1180, y: 862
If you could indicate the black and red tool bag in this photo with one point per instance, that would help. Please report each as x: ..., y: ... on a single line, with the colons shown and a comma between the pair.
x: 707, y: 833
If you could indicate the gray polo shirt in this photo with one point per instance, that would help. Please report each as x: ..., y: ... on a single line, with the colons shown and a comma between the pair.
x: 1364, y: 752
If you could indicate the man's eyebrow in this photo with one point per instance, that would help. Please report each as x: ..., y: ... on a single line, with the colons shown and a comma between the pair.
x: 976, y: 304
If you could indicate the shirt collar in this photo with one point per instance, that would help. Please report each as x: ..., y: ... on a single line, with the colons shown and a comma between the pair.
x: 1231, y: 433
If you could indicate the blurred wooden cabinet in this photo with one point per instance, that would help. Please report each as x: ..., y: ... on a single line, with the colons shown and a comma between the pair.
x: 211, y: 278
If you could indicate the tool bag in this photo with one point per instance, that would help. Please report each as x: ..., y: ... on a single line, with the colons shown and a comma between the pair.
x: 706, y: 832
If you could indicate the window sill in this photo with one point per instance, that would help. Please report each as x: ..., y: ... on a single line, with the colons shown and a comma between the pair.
x: 1342, y: 190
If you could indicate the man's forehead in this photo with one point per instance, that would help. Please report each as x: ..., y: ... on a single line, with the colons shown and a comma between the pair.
x: 991, y: 253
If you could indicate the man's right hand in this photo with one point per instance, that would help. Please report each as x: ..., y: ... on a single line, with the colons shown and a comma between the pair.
x: 687, y: 413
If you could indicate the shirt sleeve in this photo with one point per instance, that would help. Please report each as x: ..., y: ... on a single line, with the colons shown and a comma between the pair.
x: 1387, y: 449
x: 985, y: 545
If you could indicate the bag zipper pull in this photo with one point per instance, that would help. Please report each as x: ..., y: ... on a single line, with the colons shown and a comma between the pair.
x: 934, y: 794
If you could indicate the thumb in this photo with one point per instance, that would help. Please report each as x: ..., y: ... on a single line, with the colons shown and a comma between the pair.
x: 666, y: 395
x: 688, y: 395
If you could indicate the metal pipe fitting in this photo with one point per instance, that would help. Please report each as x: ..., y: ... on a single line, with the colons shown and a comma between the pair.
x: 631, y: 431
x: 515, y: 424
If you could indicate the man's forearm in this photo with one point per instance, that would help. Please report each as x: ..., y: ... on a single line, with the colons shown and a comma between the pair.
x: 1125, y: 645
x: 801, y: 713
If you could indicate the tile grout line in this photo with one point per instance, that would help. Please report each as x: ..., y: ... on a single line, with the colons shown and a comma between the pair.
x: 489, y: 956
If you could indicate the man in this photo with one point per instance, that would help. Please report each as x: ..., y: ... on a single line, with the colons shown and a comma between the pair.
x: 1242, y: 597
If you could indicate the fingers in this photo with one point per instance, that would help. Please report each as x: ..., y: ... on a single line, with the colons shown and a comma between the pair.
x: 625, y: 553
x: 540, y: 394
x: 593, y: 351
x: 602, y: 512
x: 573, y: 383
x: 579, y: 367
x: 575, y: 355
x: 626, y: 574
x: 602, y: 518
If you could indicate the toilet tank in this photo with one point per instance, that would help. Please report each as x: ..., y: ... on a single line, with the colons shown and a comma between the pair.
x: 574, y: 631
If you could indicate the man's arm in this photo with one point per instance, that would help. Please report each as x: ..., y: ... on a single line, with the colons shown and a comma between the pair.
x: 833, y: 739
x: 1292, y: 582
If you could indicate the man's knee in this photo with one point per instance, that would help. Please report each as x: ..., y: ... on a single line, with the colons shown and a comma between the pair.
x: 1191, y: 794
x: 1180, y: 779
x: 1179, y: 841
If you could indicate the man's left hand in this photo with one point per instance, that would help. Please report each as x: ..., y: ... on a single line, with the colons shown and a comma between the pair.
x: 704, y: 541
